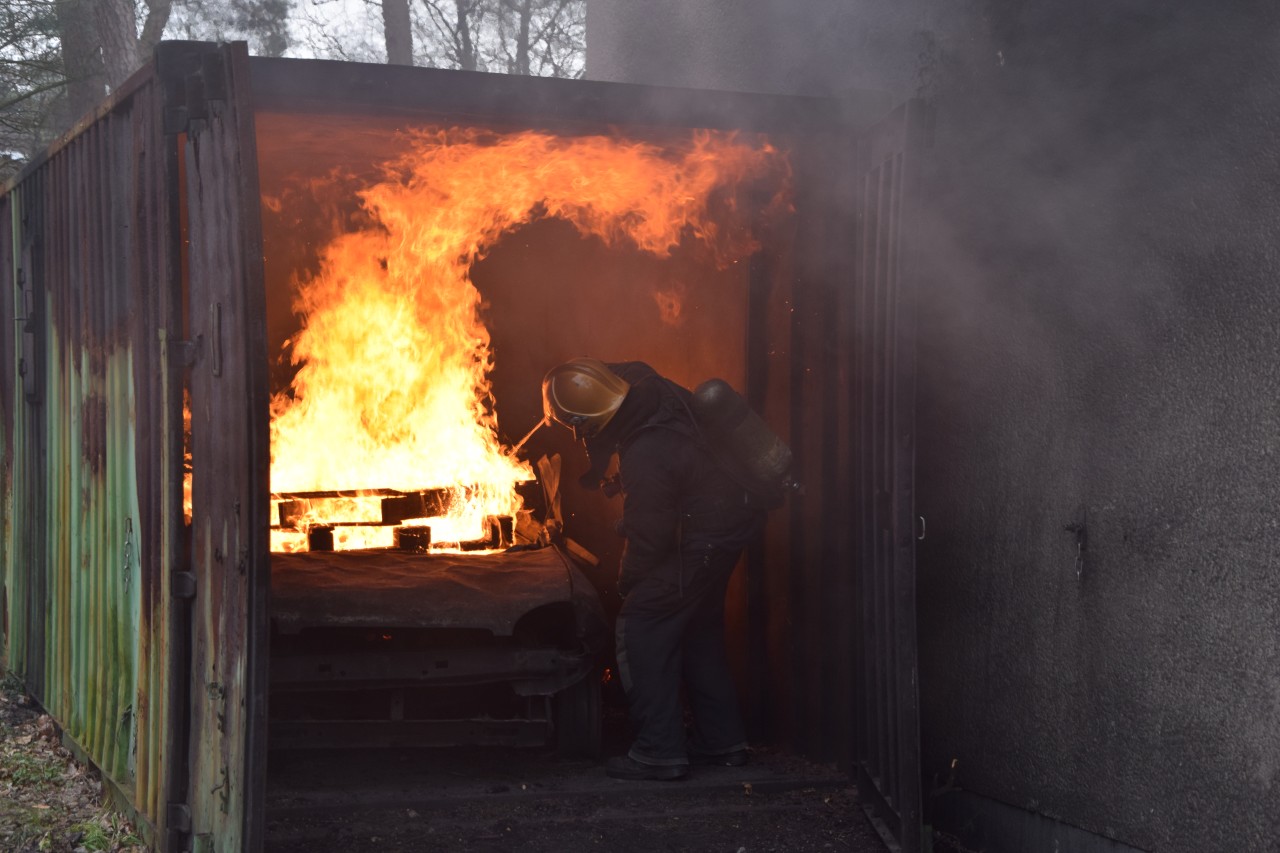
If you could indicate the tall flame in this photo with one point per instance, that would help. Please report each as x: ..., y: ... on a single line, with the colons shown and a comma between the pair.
x: 392, y: 389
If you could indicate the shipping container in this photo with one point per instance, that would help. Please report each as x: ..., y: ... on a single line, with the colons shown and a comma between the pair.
x: 156, y: 254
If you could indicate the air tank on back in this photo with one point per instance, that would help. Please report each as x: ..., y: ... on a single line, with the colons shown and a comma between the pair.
x: 751, y: 447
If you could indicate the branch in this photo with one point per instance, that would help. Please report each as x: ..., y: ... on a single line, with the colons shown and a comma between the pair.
x: 26, y: 96
x: 153, y: 29
x: 453, y: 50
x: 49, y: 63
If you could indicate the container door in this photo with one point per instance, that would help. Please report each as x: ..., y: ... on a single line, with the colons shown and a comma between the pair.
x: 229, y: 458
x: 887, y: 742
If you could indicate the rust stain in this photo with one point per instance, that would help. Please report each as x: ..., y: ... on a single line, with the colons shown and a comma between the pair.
x: 93, y: 438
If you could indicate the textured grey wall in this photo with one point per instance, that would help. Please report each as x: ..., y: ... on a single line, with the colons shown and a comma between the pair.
x: 1100, y: 343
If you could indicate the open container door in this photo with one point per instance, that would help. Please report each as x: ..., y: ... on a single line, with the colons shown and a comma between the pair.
x: 229, y: 448
x: 883, y: 318
x: 848, y: 351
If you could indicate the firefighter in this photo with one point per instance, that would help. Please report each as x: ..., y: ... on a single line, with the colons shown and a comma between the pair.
x: 685, y: 521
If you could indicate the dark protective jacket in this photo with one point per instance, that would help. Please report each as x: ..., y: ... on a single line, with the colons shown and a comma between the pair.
x: 680, y: 507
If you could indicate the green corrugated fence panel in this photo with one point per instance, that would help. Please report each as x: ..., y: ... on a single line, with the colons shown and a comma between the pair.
x: 93, y: 520
x: 84, y: 580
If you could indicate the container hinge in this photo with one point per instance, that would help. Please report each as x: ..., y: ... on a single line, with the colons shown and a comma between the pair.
x: 184, y: 353
x: 182, y: 585
x: 178, y: 816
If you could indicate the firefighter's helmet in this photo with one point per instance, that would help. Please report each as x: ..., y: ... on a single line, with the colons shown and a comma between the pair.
x: 582, y: 394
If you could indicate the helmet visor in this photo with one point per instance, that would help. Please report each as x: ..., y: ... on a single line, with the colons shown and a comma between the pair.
x: 583, y: 395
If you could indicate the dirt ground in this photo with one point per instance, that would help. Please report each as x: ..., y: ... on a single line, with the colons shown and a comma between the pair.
x: 496, y: 799
x: 48, y: 801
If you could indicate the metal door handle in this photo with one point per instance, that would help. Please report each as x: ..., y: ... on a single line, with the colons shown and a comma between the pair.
x: 215, y: 333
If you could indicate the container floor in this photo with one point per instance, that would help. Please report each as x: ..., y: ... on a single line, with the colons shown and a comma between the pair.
x: 498, y: 799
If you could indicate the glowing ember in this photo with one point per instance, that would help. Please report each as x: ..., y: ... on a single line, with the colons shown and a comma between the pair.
x: 393, y: 389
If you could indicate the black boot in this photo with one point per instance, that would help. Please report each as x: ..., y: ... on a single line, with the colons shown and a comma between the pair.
x: 733, y: 758
x: 626, y: 767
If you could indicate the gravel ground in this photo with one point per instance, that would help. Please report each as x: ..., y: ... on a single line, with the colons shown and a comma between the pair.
x: 48, y: 801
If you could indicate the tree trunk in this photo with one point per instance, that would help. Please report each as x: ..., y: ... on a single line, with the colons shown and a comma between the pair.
x: 466, y: 49
x: 81, y: 58
x: 396, y: 27
x: 118, y: 34
x: 153, y: 28
x: 524, y: 15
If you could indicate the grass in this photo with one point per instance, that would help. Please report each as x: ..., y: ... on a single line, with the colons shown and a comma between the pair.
x: 108, y: 832
x: 47, y: 801
x: 27, y: 770
x: 10, y: 684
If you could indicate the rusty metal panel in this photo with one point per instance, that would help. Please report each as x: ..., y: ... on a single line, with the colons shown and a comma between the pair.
x: 229, y: 447
x: 152, y: 261
x: 89, y: 272
x: 321, y: 87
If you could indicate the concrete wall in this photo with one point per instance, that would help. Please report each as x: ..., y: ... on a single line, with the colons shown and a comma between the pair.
x: 1100, y: 345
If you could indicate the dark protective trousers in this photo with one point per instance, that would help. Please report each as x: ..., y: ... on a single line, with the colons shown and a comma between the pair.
x: 671, y: 631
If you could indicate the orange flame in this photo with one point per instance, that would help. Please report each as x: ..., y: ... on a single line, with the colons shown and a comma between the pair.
x: 393, y: 388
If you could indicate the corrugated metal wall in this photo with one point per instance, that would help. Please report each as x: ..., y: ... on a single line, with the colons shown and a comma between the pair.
x: 10, y: 594
x: 90, y: 267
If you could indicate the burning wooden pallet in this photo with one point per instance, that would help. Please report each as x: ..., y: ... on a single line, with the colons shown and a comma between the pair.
x: 402, y: 519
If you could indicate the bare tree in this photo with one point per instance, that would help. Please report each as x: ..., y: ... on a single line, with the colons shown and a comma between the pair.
x: 397, y: 27
x: 124, y: 49
x: 84, y: 72
x: 264, y: 24
x: 32, y: 78
x: 117, y: 32
x: 329, y: 29
x: 518, y: 53
x: 452, y: 29
x: 101, y: 46
x: 542, y: 37
x: 59, y: 58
